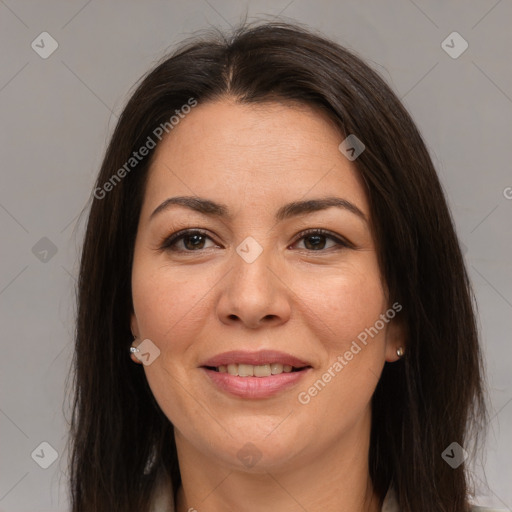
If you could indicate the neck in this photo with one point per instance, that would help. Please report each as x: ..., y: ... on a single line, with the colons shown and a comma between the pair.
x: 336, y: 479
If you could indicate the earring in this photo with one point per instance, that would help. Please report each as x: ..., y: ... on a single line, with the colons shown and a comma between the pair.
x: 133, y: 349
x: 399, y: 351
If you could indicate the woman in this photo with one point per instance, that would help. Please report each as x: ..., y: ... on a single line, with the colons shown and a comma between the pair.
x: 270, y: 244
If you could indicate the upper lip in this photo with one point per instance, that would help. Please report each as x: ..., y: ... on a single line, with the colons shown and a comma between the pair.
x: 255, y: 358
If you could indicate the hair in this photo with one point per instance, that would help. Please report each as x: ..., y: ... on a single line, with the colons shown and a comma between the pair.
x: 433, y: 396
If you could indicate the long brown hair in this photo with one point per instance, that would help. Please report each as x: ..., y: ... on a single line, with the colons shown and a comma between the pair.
x: 432, y: 397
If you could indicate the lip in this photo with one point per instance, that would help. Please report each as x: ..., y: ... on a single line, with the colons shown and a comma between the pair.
x: 255, y: 358
x: 255, y: 387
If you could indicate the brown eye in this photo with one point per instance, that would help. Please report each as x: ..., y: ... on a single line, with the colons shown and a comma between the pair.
x: 191, y: 241
x: 316, y: 240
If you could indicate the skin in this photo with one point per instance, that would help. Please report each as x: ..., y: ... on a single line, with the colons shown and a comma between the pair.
x: 306, y: 301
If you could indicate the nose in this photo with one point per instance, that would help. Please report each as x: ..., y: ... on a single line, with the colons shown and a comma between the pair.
x: 254, y: 294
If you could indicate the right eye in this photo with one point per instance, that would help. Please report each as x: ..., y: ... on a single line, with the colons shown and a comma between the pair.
x: 192, y: 240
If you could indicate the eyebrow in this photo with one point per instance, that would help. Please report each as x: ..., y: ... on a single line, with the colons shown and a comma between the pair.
x: 293, y: 209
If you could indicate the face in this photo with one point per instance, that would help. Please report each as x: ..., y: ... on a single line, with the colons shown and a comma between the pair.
x: 251, y: 280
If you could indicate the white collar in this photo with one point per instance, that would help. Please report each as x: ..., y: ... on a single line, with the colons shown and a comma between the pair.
x: 390, y: 503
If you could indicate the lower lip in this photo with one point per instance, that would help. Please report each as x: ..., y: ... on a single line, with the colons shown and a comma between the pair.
x: 255, y: 387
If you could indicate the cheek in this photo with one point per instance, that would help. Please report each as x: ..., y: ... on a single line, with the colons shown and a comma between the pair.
x: 167, y: 305
x: 341, y: 308
x: 343, y: 303
x: 170, y: 311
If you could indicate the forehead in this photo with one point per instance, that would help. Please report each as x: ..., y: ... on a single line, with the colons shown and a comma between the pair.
x: 256, y: 153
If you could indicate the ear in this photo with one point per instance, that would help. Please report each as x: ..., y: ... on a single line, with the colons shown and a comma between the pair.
x: 134, y: 326
x: 396, y: 337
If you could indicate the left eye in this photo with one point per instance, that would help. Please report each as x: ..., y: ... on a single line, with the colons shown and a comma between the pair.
x: 194, y: 240
x: 315, y: 240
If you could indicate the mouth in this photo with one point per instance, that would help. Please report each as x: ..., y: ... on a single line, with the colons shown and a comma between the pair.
x: 255, y: 375
x: 261, y: 370
x: 259, y: 361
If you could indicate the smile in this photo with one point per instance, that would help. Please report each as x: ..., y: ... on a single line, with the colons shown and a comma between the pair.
x: 251, y: 386
x: 250, y: 370
x: 259, y: 374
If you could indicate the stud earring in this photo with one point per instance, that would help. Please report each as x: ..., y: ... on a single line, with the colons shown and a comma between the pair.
x: 399, y: 351
x: 132, y: 348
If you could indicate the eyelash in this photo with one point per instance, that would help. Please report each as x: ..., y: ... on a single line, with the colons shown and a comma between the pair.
x: 169, y: 242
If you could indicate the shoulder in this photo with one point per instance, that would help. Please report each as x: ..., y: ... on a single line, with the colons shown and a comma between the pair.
x: 163, y: 498
x: 390, y: 504
x: 476, y: 508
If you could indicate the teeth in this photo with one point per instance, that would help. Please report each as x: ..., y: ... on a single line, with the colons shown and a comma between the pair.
x: 249, y: 370
x: 262, y: 370
x: 245, y: 370
x: 276, y: 368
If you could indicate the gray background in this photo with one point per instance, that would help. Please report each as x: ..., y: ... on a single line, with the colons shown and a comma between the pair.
x: 56, y: 117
